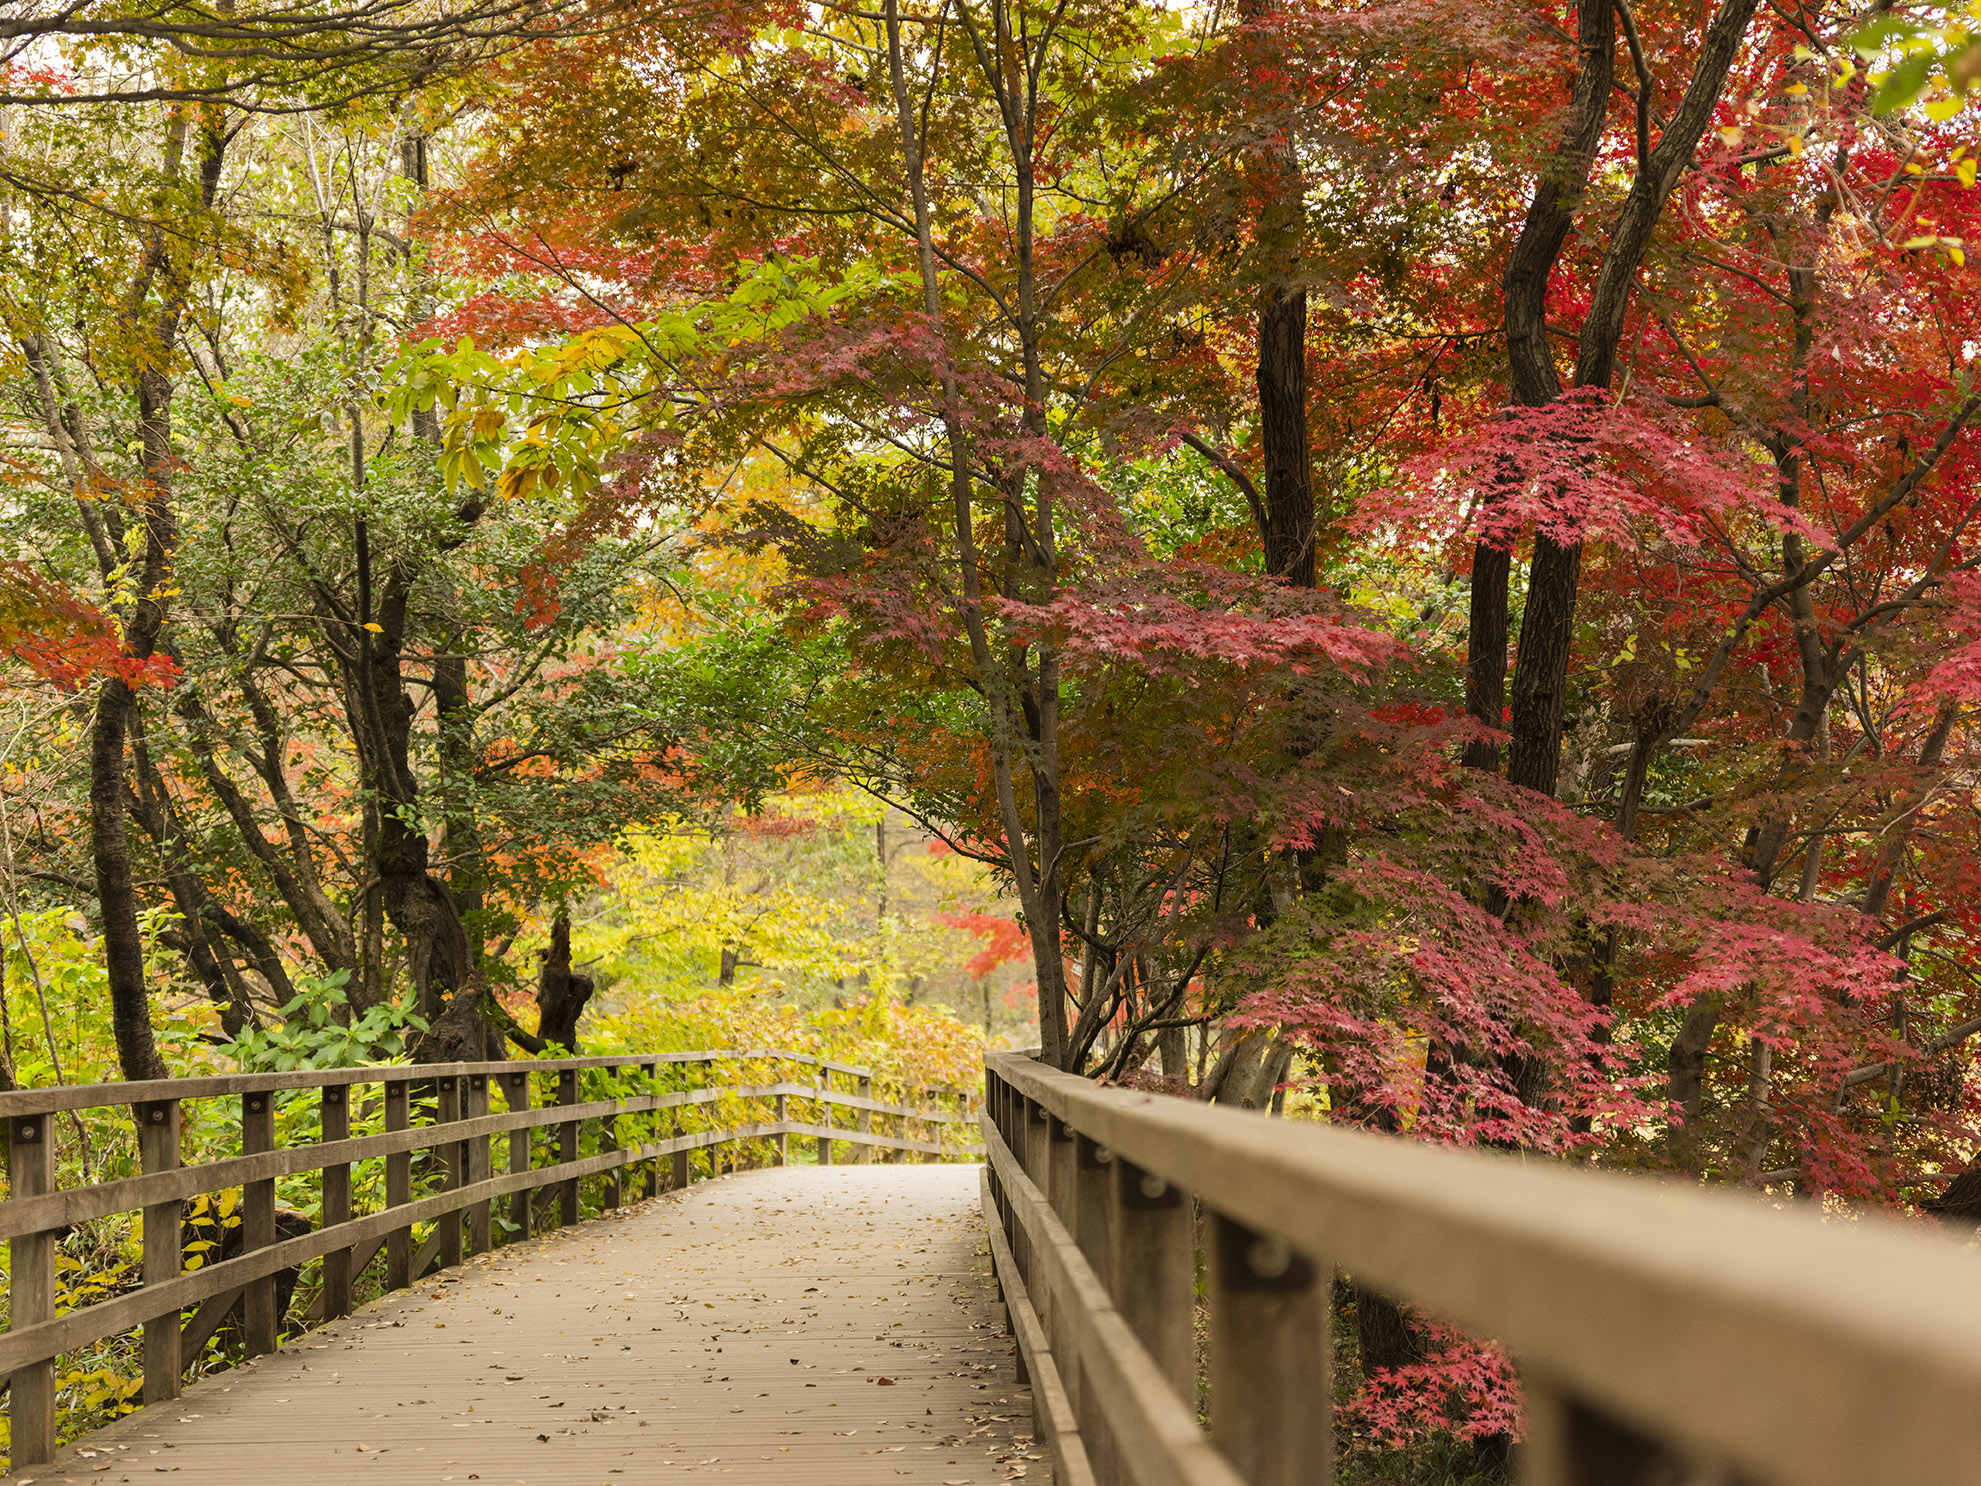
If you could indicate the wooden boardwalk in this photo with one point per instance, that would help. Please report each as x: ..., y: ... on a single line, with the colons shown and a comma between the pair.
x: 796, y: 1325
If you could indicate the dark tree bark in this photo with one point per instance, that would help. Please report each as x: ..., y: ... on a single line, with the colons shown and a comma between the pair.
x: 1282, y: 382
x: 293, y: 871
x: 562, y: 993
x: 164, y: 271
x: 466, y: 870
x: 1547, y: 626
x: 1532, y: 378
x: 1248, y: 1071
x: 446, y: 977
x: 1382, y: 1332
x: 1288, y: 537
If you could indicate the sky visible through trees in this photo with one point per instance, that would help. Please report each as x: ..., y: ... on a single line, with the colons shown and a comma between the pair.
x: 1413, y: 564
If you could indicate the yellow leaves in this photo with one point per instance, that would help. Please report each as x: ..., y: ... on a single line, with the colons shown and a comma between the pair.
x: 375, y: 628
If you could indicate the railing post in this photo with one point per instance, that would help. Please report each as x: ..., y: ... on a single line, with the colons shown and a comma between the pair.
x: 516, y: 1096
x: 1154, y: 1272
x: 567, y: 1149
x: 398, y: 1185
x: 863, y: 1153
x: 259, y: 1321
x: 447, y: 1226
x: 780, y: 1112
x: 652, y: 1071
x: 1565, y: 1443
x: 1270, y: 1394
x: 1090, y: 1217
x: 164, y: 1254
x: 31, y: 1292
x: 481, y: 1217
x: 1093, y: 1207
x: 825, y: 1113
x: 1059, y: 1173
x: 1034, y: 1152
x: 608, y: 1138
x: 334, y: 1123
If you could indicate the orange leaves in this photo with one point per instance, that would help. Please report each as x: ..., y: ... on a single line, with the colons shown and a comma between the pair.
x: 64, y: 639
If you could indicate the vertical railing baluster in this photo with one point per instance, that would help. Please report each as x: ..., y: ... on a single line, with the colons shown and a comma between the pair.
x: 31, y: 1292
x: 1090, y: 1216
x: 453, y: 1160
x: 608, y: 1137
x: 825, y: 1113
x: 398, y: 1185
x: 1564, y: 1442
x: 652, y: 1165
x: 516, y: 1097
x: 1154, y: 1271
x: 780, y: 1112
x: 1056, y: 1178
x: 567, y: 1149
x: 259, y: 1321
x: 159, y: 1149
x: 481, y: 1217
x: 334, y: 1123
x: 1271, y: 1402
x: 863, y: 1153
x: 1092, y: 1219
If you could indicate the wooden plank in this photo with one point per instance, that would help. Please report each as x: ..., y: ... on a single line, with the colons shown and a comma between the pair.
x: 1155, y: 1433
x: 334, y: 1300
x: 259, y: 1321
x: 1269, y: 1358
x: 1054, y: 1410
x: 631, y: 1310
x: 83, y: 1204
x: 16, y: 1102
x: 159, y: 1147
x: 481, y: 1217
x: 567, y: 1147
x: 110, y: 1317
x: 516, y: 1089
x: 1772, y: 1342
x: 452, y: 1156
x: 398, y: 1187
x: 31, y: 1294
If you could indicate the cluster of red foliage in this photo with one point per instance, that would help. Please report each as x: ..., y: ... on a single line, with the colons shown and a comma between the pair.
x: 65, y: 640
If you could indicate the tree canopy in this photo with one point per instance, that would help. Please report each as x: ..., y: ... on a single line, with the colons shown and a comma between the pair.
x: 1408, y: 563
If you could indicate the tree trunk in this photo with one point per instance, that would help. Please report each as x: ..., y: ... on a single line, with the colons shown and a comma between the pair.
x: 1282, y: 356
x: 1282, y: 382
x: 1532, y: 379
x: 163, y: 271
x: 1547, y: 627
x: 561, y: 993
x: 1249, y: 1071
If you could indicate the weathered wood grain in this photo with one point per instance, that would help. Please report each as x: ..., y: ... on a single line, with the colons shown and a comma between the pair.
x: 738, y: 1328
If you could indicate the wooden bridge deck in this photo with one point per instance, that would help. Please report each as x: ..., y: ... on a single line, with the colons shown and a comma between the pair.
x: 800, y: 1324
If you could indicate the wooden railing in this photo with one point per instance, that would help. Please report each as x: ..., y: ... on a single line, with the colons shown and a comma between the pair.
x: 1663, y: 1333
x: 630, y: 1110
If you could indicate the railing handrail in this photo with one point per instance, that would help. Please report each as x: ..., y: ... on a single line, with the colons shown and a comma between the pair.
x: 459, y: 1135
x: 58, y: 1098
x: 1705, y: 1323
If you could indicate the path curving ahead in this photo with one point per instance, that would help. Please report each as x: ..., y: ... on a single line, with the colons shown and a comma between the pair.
x: 796, y: 1325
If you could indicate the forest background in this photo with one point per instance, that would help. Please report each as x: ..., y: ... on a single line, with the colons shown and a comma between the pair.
x: 1407, y: 564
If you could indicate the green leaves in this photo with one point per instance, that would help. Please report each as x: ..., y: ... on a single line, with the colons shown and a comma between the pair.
x: 547, y: 418
x: 1943, y: 59
x: 311, y: 1036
